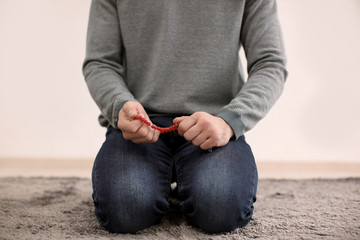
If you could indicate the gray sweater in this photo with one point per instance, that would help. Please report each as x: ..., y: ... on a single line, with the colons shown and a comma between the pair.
x: 177, y: 57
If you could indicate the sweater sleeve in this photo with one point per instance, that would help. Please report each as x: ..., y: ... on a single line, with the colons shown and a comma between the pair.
x: 103, y: 67
x: 262, y: 40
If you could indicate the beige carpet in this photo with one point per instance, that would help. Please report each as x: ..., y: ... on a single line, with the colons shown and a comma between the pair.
x: 61, y: 208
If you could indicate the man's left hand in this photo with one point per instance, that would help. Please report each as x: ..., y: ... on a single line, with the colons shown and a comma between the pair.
x: 204, y: 130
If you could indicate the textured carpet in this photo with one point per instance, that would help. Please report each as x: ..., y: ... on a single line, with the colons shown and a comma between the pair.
x: 61, y: 208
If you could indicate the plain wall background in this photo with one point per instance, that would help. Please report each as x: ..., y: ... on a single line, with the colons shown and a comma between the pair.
x: 47, y: 112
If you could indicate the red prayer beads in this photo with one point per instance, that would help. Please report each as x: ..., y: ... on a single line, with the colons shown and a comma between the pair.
x: 161, y: 129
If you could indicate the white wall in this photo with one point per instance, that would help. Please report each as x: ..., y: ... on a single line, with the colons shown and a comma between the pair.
x: 318, y: 116
x: 46, y: 110
x: 45, y: 107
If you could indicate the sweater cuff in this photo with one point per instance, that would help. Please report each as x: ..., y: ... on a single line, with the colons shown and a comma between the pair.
x: 234, y: 122
x: 118, y: 105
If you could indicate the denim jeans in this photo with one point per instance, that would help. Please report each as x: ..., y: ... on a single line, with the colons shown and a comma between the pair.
x: 131, y: 182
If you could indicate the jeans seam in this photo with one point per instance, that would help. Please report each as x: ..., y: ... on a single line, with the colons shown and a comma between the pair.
x: 169, y: 181
x: 179, y: 176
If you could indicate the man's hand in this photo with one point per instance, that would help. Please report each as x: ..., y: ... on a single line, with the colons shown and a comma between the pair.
x: 204, y: 130
x: 135, y: 130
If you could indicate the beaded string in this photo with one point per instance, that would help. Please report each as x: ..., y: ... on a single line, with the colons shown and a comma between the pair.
x: 161, y: 129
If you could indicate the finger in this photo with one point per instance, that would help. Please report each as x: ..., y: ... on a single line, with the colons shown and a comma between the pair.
x: 200, y: 139
x: 185, y: 124
x: 178, y: 119
x: 141, y: 141
x: 141, y: 132
x: 156, y: 136
x: 129, y: 125
x: 144, y: 131
x: 192, y: 132
x: 133, y: 125
x: 207, y: 144
x: 149, y: 138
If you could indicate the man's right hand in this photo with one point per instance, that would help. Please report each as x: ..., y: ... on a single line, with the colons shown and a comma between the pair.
x: 132, y: 129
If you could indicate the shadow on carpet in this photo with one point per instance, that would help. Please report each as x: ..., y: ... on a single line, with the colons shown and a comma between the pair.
x: 61, y: 208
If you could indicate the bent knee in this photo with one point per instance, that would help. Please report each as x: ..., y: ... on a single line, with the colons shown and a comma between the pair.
x: 129, y: 216
x: 222, y: 214
x: 221, y: 219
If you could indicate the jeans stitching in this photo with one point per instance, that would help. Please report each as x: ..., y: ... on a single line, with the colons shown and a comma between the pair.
x: 169, y: 181
x: 178, y: 176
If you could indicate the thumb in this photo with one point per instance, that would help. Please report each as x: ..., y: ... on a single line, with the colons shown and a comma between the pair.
x: 132, y: 113
x: 134, y: 109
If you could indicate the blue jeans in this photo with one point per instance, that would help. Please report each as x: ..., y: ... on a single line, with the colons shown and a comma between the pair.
x: 131, y: 182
